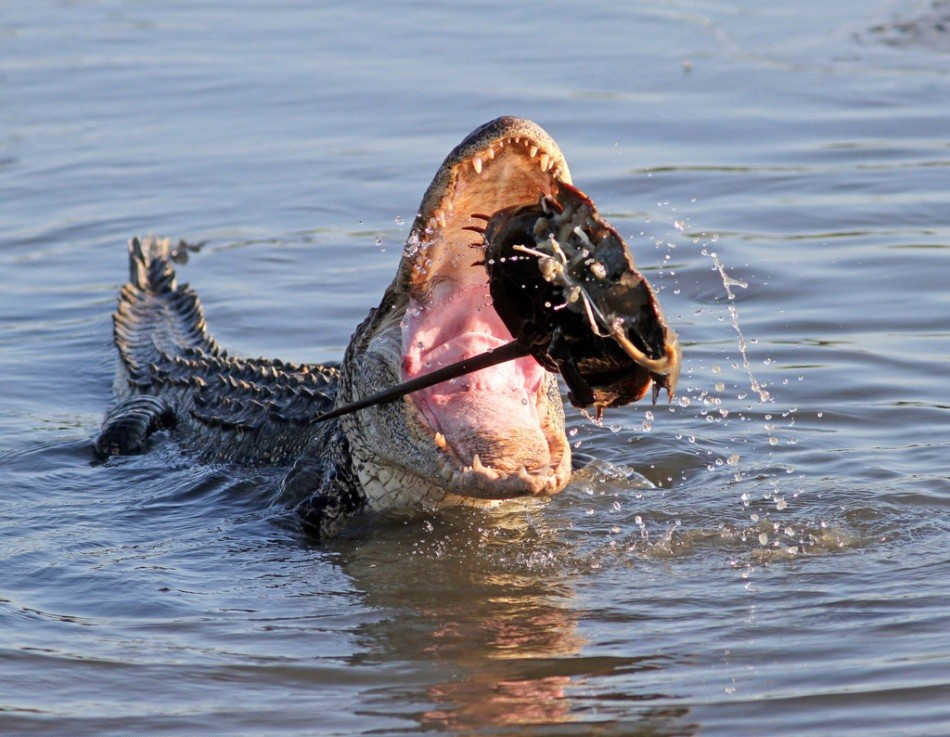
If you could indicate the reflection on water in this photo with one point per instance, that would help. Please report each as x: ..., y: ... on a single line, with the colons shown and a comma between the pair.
x: 487, y: 597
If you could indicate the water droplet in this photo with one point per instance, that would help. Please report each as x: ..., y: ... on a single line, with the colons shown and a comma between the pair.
x: 763, y: 539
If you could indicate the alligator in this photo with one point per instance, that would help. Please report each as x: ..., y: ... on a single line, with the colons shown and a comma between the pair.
x: 495, y: 434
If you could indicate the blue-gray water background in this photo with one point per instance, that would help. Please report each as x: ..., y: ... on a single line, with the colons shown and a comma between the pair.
x: 768, y: 555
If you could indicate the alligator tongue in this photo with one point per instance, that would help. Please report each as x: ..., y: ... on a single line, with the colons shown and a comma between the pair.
x: 565, y: 285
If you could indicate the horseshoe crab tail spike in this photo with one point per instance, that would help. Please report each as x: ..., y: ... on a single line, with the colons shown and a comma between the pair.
x: 501, y: 354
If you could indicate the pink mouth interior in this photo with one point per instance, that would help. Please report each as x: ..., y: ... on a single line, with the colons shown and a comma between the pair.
x: 456, y: 322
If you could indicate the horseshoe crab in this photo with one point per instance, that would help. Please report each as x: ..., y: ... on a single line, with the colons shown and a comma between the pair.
x: 564, y: 283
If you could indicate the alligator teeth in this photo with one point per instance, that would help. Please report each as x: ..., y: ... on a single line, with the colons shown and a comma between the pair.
x: 440, y: 440
x: 479, y: 467
x: 523, y: 474
x: 490, y: 153
x: 545, y: 160
x: 533, y: 151
x: 477, y: 164
x: 437, y: 220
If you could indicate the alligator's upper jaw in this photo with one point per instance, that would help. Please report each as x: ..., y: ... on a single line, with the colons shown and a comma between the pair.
x: 499, y: 430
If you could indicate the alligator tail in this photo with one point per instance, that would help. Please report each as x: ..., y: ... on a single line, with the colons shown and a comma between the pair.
x: 156, y: 318
x: 173, y: 374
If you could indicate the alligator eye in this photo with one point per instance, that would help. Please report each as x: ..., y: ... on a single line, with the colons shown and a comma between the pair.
x: 565, y: 285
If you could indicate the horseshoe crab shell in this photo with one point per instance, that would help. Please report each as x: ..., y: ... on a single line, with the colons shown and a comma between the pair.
x: 565, y: 285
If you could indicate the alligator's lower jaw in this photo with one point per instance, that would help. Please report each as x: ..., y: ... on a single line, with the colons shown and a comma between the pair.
x: 480, y: 480
x: 390, y: 487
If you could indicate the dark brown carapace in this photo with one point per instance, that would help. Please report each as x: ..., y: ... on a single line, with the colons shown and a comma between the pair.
x: 565, y: 285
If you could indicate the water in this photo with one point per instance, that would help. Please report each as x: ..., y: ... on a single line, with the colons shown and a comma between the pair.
x: 768, y: 555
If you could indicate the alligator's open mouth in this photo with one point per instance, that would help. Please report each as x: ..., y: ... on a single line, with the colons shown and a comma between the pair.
x: 498, y: 430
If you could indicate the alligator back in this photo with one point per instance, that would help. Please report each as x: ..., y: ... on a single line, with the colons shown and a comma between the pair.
x: 173, y: 373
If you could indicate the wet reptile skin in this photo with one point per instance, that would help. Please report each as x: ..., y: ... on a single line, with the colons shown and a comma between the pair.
x: 173, y: 375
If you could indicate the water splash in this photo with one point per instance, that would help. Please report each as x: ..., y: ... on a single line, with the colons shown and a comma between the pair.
x: 728, y: 282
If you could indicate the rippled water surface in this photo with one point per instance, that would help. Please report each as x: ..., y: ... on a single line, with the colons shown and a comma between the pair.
x: 767, y: 555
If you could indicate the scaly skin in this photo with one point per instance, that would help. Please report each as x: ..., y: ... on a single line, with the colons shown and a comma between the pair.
x: 495, y: 434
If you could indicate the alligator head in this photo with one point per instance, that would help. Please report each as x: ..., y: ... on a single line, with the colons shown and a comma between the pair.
x: 497, y: 433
